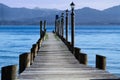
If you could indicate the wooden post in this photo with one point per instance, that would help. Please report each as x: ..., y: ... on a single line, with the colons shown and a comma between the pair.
x: 9, y: 72
x: 66, y: 25
x: 40, y: 29
x: 24, y: 61
x: 69, y: 46
x: 83, y: 58
x: 34, y: 50
x: 100, y: 62
x: 31, y: 56
x: 72, y: 26
x: 77, y: 52
x: 38, y: 44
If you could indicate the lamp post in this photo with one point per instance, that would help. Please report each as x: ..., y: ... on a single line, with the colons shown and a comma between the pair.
x: 72, y: 25
x: 59, y: 26
x: 40, y: 29
x: 56, y: 24
x: 66, y: 25
x: 62, y: 25
x: 45, y: 26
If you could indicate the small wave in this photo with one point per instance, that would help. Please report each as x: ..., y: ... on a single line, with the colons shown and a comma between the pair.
x: 10, y: 57
x: 5, y: 51
x: 23, y: 39
x: 109, y: 49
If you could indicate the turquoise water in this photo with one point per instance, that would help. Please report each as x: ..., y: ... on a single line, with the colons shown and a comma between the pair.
x: 103, y: 40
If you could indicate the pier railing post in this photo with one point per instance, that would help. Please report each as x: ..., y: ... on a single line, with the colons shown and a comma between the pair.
x: 77, y: 52
x: 31, y: 56
x: 35, y: 50
x: 9, y: 72
x: 83, y: 58
x: 100, y: 62
x: 69, y: 46
x: 24, y: 61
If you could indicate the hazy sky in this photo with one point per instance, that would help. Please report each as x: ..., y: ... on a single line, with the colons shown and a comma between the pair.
x: 61, y: 4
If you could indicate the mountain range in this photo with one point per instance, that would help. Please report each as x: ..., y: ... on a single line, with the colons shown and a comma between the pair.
x: 86, y: 15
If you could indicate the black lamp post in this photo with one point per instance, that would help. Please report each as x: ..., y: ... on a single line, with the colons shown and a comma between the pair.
x: 59, y: 29
x: 72, y: 25
x: 56, y: 23
x: 45, y: 26
x: 62, y: 25
x: 41, y: 29
x: 66, y: 25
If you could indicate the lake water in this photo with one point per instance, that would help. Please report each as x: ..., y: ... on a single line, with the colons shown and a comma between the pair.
x: 102, y: 40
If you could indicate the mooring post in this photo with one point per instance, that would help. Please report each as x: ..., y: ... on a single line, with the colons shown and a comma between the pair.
x: 66, y: 25
x: 77, y: 52
x: 69, y: 46
x: 31, y: 56
x: 40, y: 42
x: 9, y: 72
x: 72, y: 25
x: 24, y: 61
x: 40, y: 29
x: 100, y: 62
x: 34, y: 51
x: 83, y: 59
x: 38, y: 45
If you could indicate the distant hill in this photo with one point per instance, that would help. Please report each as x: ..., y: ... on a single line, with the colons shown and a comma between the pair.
x: 25, y: 16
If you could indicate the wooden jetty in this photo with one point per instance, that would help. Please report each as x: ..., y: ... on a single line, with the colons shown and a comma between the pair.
x: 53, y: 57
x: 55, y: 62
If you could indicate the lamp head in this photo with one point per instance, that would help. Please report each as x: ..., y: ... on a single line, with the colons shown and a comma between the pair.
x: 66, y: 10
x: 72, y: 5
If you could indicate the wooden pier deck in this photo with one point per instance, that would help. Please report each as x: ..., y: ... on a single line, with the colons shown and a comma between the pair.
x: 55, y: 62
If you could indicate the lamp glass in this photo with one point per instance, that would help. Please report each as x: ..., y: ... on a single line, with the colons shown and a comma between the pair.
x: 72, y: 5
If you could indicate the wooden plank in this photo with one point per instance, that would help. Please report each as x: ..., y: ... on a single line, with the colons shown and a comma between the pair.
x: 55, y: 62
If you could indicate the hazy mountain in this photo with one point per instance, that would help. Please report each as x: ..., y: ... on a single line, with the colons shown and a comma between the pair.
x: 26, y: 16
x: 85, y: 15
x: 113, y: 14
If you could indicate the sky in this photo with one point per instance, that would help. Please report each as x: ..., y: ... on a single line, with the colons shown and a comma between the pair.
x: 61, y: 4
